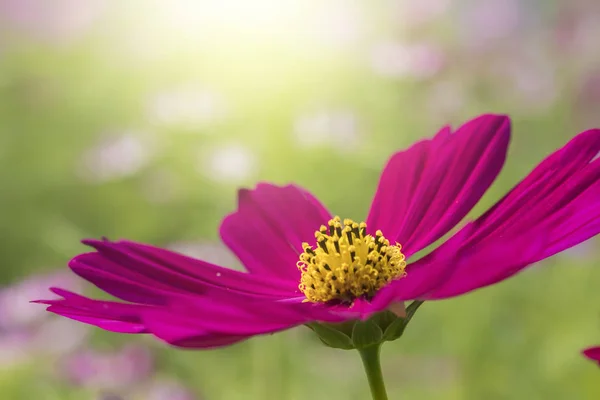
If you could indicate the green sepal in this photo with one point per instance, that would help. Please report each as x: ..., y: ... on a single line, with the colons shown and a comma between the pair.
x: 382, y: 327
x: 384, y: 319
x: 331, y: 336
x: 366, y: 333
x: 396, y: 328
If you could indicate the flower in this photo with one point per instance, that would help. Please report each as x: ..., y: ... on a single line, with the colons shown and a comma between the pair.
x: 307, y: 267
x: 127, y: 367
x: 593, y: 353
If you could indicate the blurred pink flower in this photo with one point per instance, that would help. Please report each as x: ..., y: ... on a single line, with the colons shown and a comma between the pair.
x: 14, y: 348
x: 483, y: 21
x: 588, y: 95
x: 90, y: 368
x: 54, y: 20
x: 577, y: 27
x: 15, y: 310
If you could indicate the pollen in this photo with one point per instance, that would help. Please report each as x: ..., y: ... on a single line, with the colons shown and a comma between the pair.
x: 347, y: 263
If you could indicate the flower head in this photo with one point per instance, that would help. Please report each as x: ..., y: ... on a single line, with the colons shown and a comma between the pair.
x: 305, y: 266
x: 348, y: 263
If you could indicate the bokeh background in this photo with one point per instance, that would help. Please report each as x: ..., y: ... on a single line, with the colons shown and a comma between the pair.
x: 140, y: 120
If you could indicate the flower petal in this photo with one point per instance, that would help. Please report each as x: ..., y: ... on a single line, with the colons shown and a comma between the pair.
x: 565, y: 182
x: 230, y: 321
x: 426, y: 190
x: 268, y: 228
x: 213, y: 322
x: 560, y: 199
x: 108, y: 315
x: 593, y: 353
x: 557, y: 206
x: 148, y: 275
x: 485, y: 265
x: 186, y: 337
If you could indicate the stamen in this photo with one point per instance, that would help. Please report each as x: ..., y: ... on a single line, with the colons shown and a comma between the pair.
x: 347, y: 263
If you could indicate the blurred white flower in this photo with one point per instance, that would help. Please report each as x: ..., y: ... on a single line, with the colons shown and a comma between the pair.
x: 337, y: 22
x: 446, y: 99
x: 161, y: 186
x: 212, y: 252
x: 67, y: 336
x: 583, y: 251
x: 230, y: 163
x: 116, y: 157
x: 336, y: 128
x: 187, y: 106
x: 169, y: 391
x: 537, y: 87
x: 412, y: 13
x: 407, y: 60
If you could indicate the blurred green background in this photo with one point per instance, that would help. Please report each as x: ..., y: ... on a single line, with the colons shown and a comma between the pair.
x: 141, y: 119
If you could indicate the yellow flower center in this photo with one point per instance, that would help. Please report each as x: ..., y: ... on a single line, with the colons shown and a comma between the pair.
x: 347, y: 263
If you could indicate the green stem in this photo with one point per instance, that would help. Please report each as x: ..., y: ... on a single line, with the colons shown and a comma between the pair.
x: 370, y: 359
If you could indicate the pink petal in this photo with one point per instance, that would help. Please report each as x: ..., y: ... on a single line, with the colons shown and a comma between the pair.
x: 551, y: 194
x: 186, y: 324
x: 267, y: 230
x: 108, y: 315
x: 234, y: 315
x: 487, y: 264
x: 148, y: 275
x: 206, y: 341
x: 560, y: 199
x: 593, y: 353
x: 557, y: 206
x: 426, y: 190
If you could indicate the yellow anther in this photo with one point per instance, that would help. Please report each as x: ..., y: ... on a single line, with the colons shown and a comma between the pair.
x: 347, y: 263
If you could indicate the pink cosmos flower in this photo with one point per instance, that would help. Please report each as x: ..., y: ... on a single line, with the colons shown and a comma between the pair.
x: 593, y: 353
x: 307, y: 267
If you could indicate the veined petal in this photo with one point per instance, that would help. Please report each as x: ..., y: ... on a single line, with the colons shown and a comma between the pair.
x: 557, y: 206
x: 268, y: 228
x: 426, y: 190
x: 108, y: 315
x: 148, y: 275
x: 219, y: 319
x: 178, y: 333
x: 557, y: 185
x: 489, y: 263
x: 206, y: 320
x: 238, y: 315
x: 206, y: 341
x: 202, y: 322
